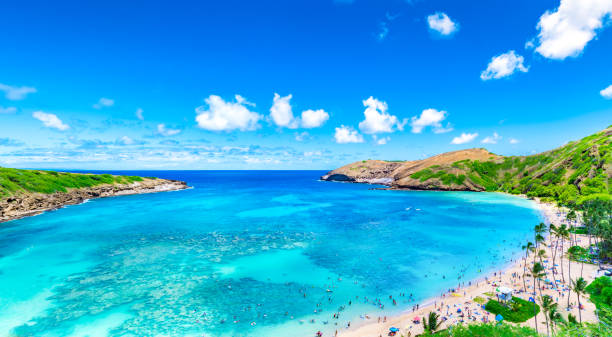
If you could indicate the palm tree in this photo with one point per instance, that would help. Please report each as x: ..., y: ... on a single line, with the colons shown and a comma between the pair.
x: 537, y: 272
x: 571, y: 217
x: 528, y: 248
x: 553, y: 232
x: 555, y: 317
x: 541, y: 254
x: 539, y: 230
x: 432, y: 324
x: 579, y: 287
x: 547, y: 303
x: 563, y: 233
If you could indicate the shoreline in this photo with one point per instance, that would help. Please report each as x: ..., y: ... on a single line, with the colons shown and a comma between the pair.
x: 32, y: 204
x: 449, y: 303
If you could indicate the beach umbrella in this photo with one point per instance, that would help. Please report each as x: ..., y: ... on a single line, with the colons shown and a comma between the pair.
x: 417, y: 319
x: 393, y: 329
x: 499, y: 318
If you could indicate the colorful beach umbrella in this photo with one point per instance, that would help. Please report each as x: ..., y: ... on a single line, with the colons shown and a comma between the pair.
x: 393, y: 329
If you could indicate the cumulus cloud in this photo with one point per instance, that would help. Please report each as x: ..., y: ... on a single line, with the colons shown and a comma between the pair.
x: 491, y: 139
x: 125, y: 140
x: 441, y: 23
x: 432, y: 118
x: 382, y: 140
x: 377, y: 120
x: 314, y: 118
x: 301, y: 136
x: 607, y: 92
x: 464, y: 138
x: 504, y: 65
x: 8, y: 110
x: 346, y: 134
x: 139, y: 114
x: 220, y: 115
x: 50, y: 120
x: 162, y: 130
x: 565, y: 31
x: 281, y: 112
x: 513, y: 141
x: 104, y: 102
x: 16, y: 93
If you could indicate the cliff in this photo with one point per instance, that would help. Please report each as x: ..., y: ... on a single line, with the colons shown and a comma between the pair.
x: 30, y: 192
x: 573, y: 173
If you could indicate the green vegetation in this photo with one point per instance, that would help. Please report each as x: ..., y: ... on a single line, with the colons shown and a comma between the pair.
x: 16, y: 181
x: 570, y: 175
x: 580, y: 254
x: 601, y: 292
x: 518, y: 310
x: 487, y: 330
x: 479, y: 300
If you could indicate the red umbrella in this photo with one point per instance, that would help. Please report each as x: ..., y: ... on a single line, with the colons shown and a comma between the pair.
x: 417, y: 319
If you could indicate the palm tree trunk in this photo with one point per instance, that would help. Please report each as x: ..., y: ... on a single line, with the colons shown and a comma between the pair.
x: 561, y: 257
x: 535, y: 313
x: 525, y: 271
x: 545, y: 317
x: 553, y: 261
x: 579, y: 311
x: 569, y: 278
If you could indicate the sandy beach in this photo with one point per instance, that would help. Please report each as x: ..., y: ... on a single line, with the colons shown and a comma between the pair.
x: 463, y: 298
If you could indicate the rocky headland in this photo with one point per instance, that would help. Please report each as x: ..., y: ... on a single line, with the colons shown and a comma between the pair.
x: 32, y: 203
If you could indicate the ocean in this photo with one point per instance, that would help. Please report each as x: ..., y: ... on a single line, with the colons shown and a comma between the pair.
x: 248, y: 253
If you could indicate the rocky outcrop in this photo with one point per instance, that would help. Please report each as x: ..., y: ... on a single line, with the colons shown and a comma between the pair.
x: 397, y: 174
x: 27, y: 204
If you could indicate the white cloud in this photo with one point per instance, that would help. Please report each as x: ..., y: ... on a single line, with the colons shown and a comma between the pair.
x: 8, y: 110
x: 492, y: 139
x: 162, y: 130
x: 513, y: 141
x: 16, y: 93
x: 607, y: 92
x: 312, y: 153
x: 430, y: 117
x: 139, y: 115
x: 346, y: 134
x: 301, y: 136
x: 504, y: 65
x: 441, y: 23
x: 50, y: 120
x: 281, y: 112
x: 226, y: 116
x: 104, y: 102
x: 567, y: 30
x: 314, y: 118
x: 464, y: 138
x: 377, y: 119
x: 381, y: 141
x: 125, y: 140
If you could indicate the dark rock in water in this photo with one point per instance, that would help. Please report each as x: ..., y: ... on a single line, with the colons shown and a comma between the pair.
x: 338, y: 177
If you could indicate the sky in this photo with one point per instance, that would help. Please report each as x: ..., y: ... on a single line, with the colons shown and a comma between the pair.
x: 296, y: 84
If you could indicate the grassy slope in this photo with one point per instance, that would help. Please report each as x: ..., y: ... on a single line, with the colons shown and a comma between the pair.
x: 570, y: 174
x: 16, y: 181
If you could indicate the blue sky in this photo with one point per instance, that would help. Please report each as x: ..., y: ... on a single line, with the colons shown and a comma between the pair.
x: 296, y: 84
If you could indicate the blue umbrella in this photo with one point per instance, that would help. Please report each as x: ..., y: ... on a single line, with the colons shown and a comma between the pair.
x: 499, y: 318
x: 393, y: 329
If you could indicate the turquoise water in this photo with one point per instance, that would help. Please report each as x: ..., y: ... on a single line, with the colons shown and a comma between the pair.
x: 247, y: 253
